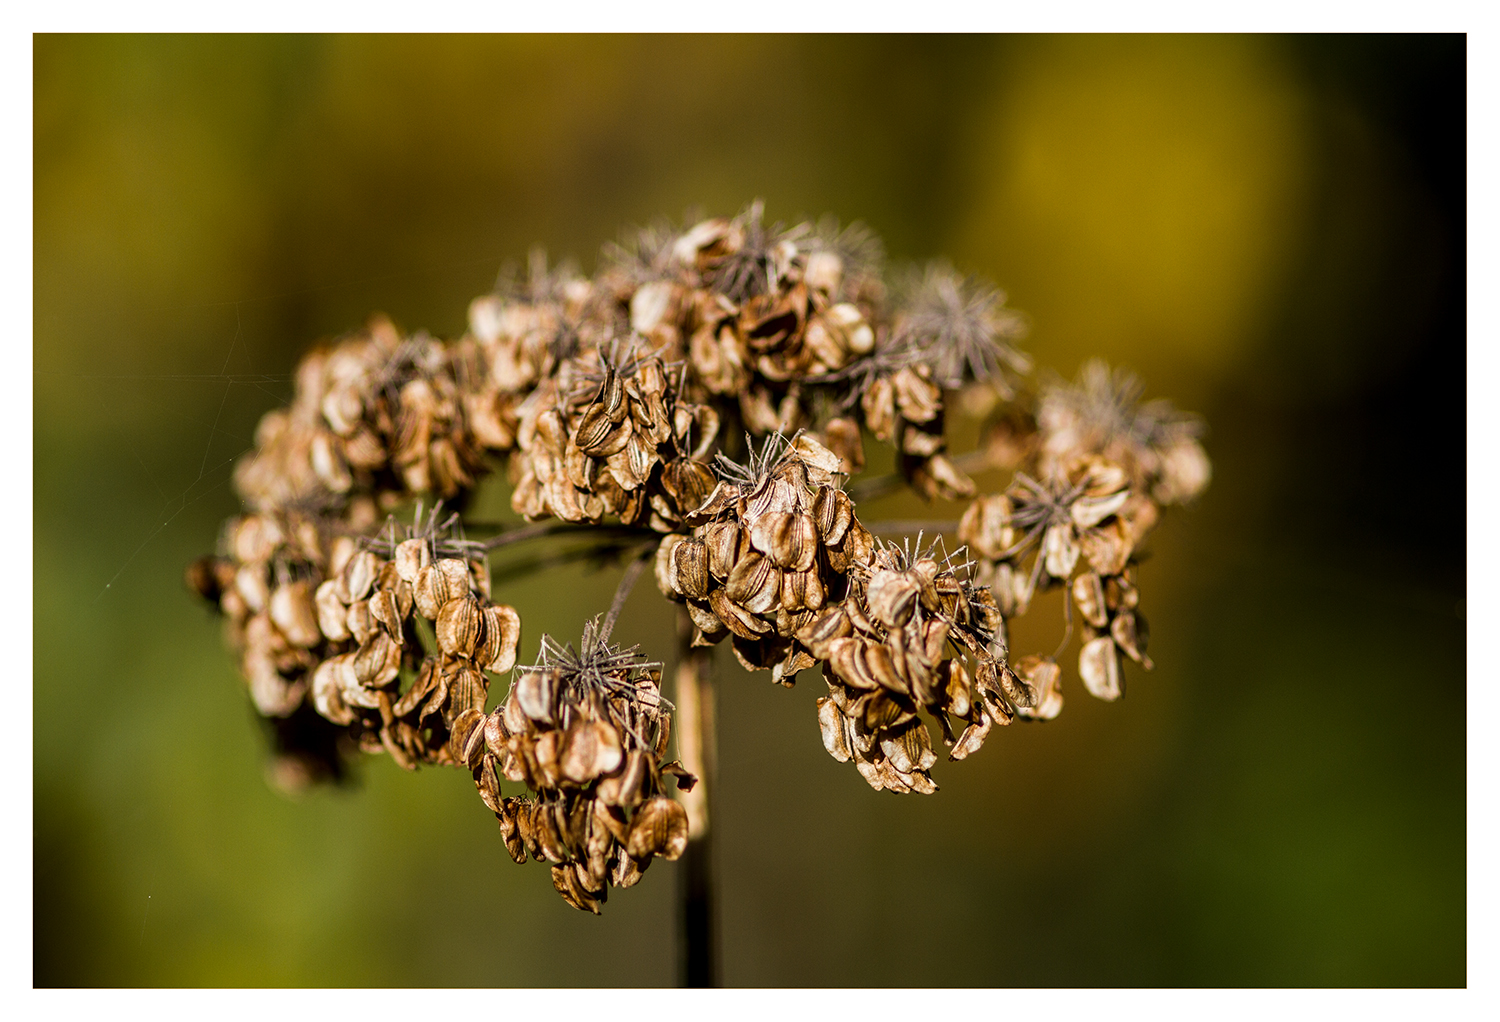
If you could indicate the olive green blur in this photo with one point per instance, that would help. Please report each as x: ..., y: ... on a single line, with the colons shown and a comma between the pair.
x: 1270, y: 230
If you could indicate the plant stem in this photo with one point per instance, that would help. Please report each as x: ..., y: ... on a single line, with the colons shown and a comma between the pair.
x: 697, y: 935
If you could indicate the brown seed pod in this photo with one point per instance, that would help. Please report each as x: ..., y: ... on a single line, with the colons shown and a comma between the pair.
x: 459, y: 625
x: 438, y: 583
x: 501, y: 636
x: 1099, y: 667
x: 660, y: 827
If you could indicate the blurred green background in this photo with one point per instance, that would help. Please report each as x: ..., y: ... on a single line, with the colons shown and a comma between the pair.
x: 1270, y: 230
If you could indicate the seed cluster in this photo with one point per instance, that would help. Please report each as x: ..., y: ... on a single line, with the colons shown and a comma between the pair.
x: 708, y: 390
x: 587, y: 731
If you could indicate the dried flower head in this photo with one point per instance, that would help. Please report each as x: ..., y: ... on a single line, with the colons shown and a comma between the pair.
x: 1102, y: 413
x: 603, y: 398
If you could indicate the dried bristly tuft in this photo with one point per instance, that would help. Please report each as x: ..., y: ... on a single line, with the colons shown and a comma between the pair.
x: 611, y: 672
x: 758, y: 464
x: 847, y: 262
x: 751, y: 269
x: 1109, y: 401
x: 442, y: 536
x: 643, y: 254
x: 539, y: 284
x: 960, y: 329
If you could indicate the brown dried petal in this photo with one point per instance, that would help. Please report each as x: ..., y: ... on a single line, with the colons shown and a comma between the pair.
x: 724, y: 542
x: 1130, y: 634
x: 834, y: 726
x: 1099, y: 667
x: 1060, y: 549
x: 535, y: 693
x: 1088, y: 596
x: 789, y: 539
x: 660, y: 827
x: 754, y: 584
x: 294, y: 614
x: 891, y: 596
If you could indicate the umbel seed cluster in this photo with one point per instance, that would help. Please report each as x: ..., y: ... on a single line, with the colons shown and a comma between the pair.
x: 705, y: 397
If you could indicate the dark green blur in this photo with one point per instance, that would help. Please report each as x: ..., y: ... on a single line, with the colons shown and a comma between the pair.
x: 1270, y: 230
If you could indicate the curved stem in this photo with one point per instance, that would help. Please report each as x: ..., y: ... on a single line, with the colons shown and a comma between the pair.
x: 627, y: 583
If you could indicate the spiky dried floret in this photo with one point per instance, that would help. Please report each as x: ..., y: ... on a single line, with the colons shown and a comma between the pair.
x: 960, y: 329
x: 619, y: 676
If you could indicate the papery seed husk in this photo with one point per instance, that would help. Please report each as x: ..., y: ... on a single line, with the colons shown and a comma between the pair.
x: 458, y: 626
x: 666, y: 573
x: 327, y: 692
x: 360, y: 574
x: 501, y: 638
x: 754, y: 584
x: 972, y: 738
x: 841, y: 657
x: 724, y: 542
x: 438, y: 583
x: 704, y: 618
x: 466, y: 739
x: 833, y: 512
x: 467, y: 689
x: 801, y: 590
x: 831, y: 624
x: 789, y: 539
x: 359, y: 621
x: 1060, y: 550
x: 660, y: 827
x: 1090, y: 511
x: 1042, y: 675
x: 1130, y: 634
x: 626, y: 871
x: 834, y: 728
x: 891, y: 597
x: 294, y: 614
x: 424, y: 685
x: 377, y: 660
x: 1099, y: 667
x: 690, y: 568
x: 874, y: 660
x: 1119, y: 593
x: 689, y: 483
x: 383, y: 610
x: 736, y: 619
x: 496, y: 733
x: 411, y: 557
x: 509, y: 832
x: 535, y: 693
x: 633, y: 779
x: 1088, y: 596
x: 1107, y: 548
x: 958, y: 689
x: 486, y: 781
x: 250, y: 582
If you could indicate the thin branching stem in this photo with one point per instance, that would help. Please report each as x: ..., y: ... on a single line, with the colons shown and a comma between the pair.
x: 627, y: 583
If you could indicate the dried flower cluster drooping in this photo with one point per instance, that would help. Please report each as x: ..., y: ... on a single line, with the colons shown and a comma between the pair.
x: 705, y: 394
